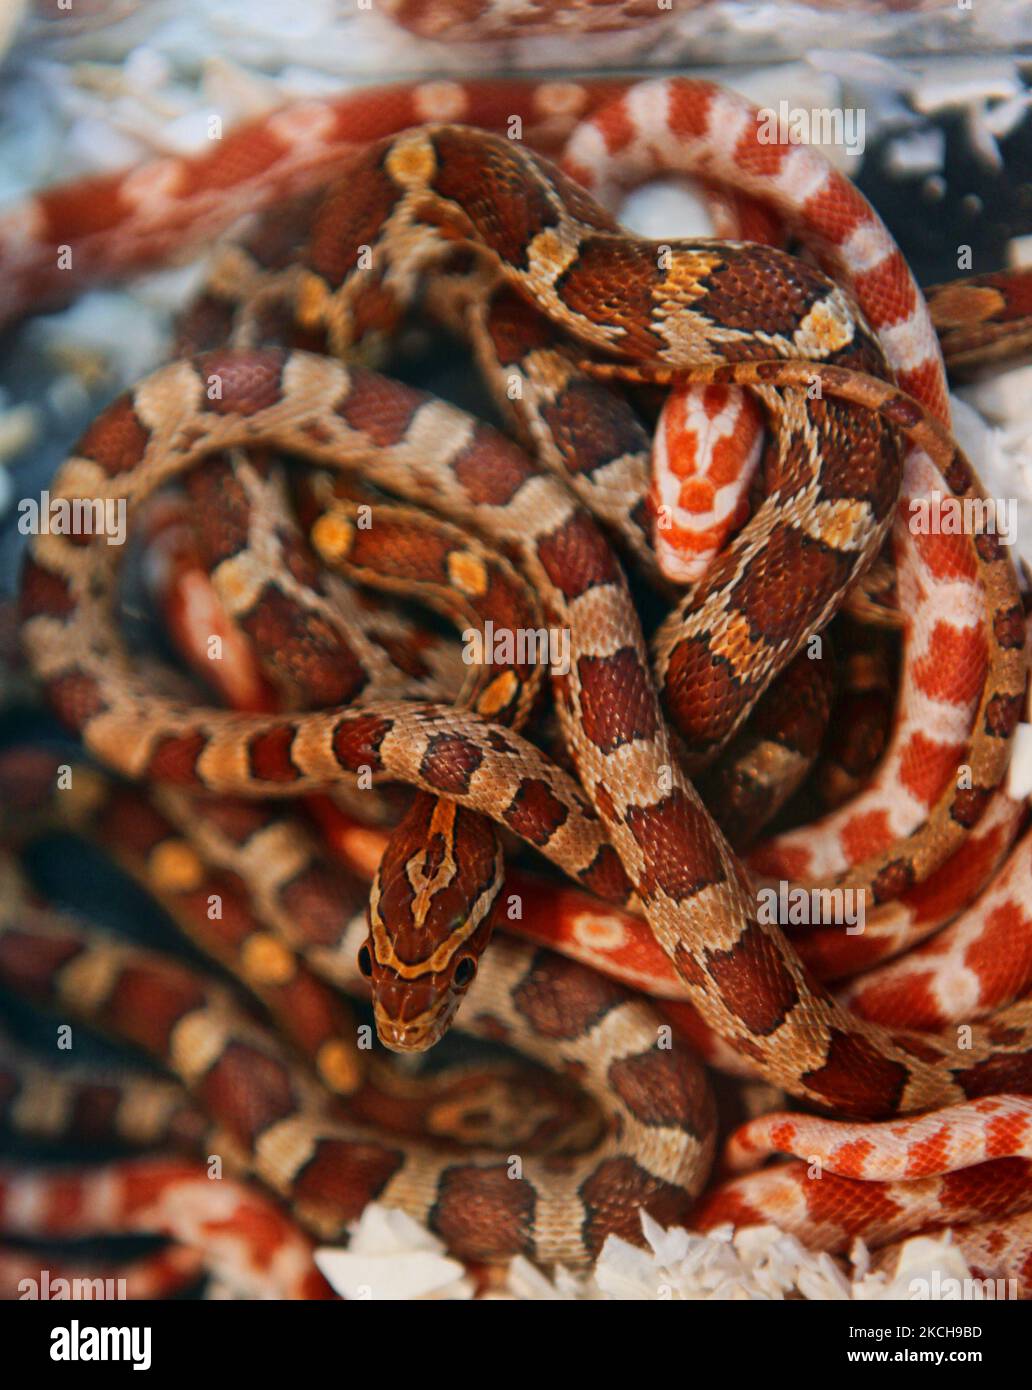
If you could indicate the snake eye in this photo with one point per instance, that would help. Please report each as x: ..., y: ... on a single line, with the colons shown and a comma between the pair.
x: 365, y: 962
x: 464, y: 971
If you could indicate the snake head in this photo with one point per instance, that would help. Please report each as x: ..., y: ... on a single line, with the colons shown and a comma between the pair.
x: 429, y: 920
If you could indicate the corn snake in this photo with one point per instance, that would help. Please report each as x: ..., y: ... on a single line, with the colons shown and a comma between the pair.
x: 369, y: 393
x: 237, y: 1234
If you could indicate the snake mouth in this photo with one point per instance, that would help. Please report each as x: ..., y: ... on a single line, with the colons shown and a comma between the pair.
x: 415, y: 1035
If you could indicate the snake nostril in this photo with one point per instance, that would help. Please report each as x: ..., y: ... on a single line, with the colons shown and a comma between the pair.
x: 365, y: 962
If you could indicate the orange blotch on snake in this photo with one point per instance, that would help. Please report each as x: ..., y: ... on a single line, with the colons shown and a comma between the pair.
x: 1001, y: 955
x: 928, y: 1156
x: 848, y: 1159
x: 865, y: 834
x: 468, y: 573
x: 1006, y: 1134
x: 175, y: 867
x: 268, y: 754
x: 266, y: 961
x: 952, y: 668
x: 947, y: 557
x: 498, y: 695
x: 616, y: 127
x: 64, y: 1201
x: 333, y: 536
x: 145, y: 1184
x: 925, y: 766
x: 851, y: 1204
x: 776, y: 861
x: 911, y: 997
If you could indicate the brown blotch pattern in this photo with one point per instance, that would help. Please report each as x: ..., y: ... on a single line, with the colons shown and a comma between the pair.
x: 483, y: 1214
x: 762, y: 291
x: 584, y: 289
x: 664, y: 1087
x: 1009, y: 1072
x: 617, y: 704
x: 958, y: 476
x: 591, y: 426
x: 351, y: 216
x: 128, y: 819
x: 617, y: 1192
x: 247, y: 1091
x: 76, y: 697
x: 988, y: 547
x: 968, y: 806
x: 251, y: 382
x: 857, y: 1080
x: 516, y: 328
x: 562, y: 999
x: 175, y: 758
x: 859, y: 456
x: 116, y: 440
x: 303, y: 653
x: 606, y: 805
x: 324, y: 900
x: 689, y: 968
x: 576, y: 557
x: 31, y: 963
x: 94, y: 1113
x: 221, y: 515
x: 148, y: 1001
x: 753, y: 981
x: 357, y: 739
x: 681, y: 853
x: 268, y: 755
x: 1009, y: 628
x: 499, y: 742
x: 377, y: 408
x: 1003, y: 1035
x: 915, y: 1046
x: 791, y: 578
x: 487, y: 179
x: 490, y: 470
x: 343, y: 1177
x: 703, y: 690
x: 892, y: 880
x: 901, y: 410
x: 535, y: 812
x: 43, y: 591
x: 450, y: 762
x: 1002, y: 714
x: 606, y: 876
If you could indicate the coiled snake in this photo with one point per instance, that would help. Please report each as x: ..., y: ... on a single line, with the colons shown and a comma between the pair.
x: 688, y: 314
